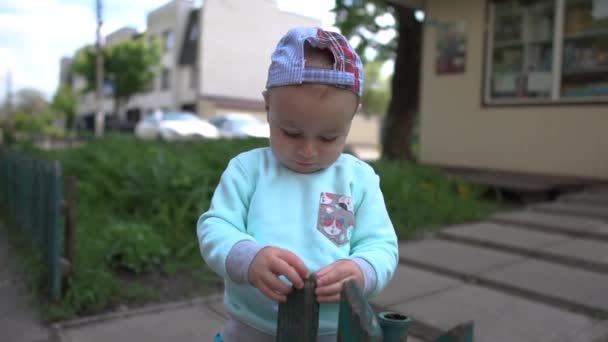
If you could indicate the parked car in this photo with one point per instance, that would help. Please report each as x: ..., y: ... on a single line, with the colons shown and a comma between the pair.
x: 172, y: 126
x: 240, y: 125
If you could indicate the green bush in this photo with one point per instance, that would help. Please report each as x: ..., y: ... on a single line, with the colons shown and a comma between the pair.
x: 133, y: 246
x: 421, y: 198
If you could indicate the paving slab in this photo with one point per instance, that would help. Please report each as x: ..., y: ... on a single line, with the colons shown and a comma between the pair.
x: 551, y: 222
x: 498, y: 317
x: 409, y: 283
x: 584, y: 249
x: 183, y: 323
x: 455, y: 256
x: 598, y: 188
x: 583, y: 253
x: 574, y: 208
x: 596, y: 198
x: 597, y: 333
x: 504, y: 234
x: 564, y: 282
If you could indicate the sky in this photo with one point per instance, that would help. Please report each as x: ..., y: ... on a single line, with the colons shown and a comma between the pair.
x: 35, y: 34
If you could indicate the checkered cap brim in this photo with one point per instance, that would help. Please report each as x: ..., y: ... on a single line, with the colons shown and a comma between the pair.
x: 287, y: 61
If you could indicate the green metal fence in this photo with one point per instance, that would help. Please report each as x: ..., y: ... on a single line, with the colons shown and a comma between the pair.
x: 31, y: 198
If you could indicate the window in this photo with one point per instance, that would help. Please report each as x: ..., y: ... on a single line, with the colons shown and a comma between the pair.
x: 165, y: 80
x: 546, y: 51
x: 167, y: 40
x: 193, y: 35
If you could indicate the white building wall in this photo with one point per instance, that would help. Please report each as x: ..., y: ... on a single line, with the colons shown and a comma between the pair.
x: 238, y: 37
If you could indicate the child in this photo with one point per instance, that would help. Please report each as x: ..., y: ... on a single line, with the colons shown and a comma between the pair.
x: 299, y: 206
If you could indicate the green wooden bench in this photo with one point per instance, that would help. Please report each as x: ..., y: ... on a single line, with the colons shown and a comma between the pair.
x: 298, y: 320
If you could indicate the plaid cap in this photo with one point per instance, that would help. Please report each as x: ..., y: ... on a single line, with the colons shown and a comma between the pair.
x: 287, y: 61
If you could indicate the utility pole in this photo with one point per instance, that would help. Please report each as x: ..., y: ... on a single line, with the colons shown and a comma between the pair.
x: 9, y: 93
x: 99, y: 115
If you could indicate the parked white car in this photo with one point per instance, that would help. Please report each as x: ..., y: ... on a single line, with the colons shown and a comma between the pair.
x: 172, y: 126
x: 240, y: 125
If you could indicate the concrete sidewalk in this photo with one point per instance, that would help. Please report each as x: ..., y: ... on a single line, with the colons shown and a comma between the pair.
x: 18, y: 320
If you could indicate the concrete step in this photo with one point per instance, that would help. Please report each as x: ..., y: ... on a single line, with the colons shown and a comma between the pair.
x: 410, y: 283
x: 594, y: 198
x: 503, y: 234
x: 456, y: 257
x: 498, y: 317
x: 580, y: 287
x: 586, y: 254
x: 536, y: 280
x: 593, y: 211
x: 552, y: 223
x: 598, y: 188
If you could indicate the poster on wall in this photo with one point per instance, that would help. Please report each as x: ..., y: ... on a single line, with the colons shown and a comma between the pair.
x: 451, y: 48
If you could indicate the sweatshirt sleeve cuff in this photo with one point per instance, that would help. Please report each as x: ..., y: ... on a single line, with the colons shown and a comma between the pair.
x: 239, y: 259
x: 369, y: 275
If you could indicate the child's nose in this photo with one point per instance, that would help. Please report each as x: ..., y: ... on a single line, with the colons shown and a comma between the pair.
x: 307, y: 149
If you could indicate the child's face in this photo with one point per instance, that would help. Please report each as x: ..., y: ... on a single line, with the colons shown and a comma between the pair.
x: 309, y: 124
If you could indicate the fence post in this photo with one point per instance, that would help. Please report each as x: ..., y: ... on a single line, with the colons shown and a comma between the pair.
x: 69, y: 207
x: 298, y: 319
x: 54, y: 242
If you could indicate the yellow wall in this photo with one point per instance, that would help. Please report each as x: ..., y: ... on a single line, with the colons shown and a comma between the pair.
x: 457, y: 130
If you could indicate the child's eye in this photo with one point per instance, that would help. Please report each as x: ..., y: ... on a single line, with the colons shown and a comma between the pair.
x: 291, y: 134
x: 329, y: 139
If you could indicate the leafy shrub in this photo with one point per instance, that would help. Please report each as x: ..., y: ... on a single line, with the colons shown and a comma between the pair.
x: 421, y: 198
x: 134, y: 246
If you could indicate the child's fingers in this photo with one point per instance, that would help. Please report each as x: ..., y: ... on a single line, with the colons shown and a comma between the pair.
x: 329, y: 290
x: 320, y: 273
x: 333, y: 274
x: 329, y: 299
x: 283, y: 268
x: 275, y: 284
x: 295, y: 262
x: 267, y: 291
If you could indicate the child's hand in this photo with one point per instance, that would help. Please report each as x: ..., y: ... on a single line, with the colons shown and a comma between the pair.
x: 331, y: 278
x: 269, y: 264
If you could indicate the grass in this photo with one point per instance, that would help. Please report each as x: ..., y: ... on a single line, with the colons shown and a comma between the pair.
x: 138, y: 202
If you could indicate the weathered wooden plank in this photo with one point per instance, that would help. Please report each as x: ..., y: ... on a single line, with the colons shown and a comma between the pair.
x: 357, y: 321
x: 299, y: 316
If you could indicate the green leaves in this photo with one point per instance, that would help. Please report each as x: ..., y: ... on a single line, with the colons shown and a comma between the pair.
x: 133, y: 246
x: 361, y: 19
x: 128, y: 66
x: 137, y: 207
x: 421, y: 198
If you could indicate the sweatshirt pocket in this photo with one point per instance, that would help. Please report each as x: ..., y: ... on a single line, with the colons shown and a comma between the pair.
x: 335, y: 217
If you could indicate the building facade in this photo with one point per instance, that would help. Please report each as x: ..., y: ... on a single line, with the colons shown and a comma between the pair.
x: 516, y: 85
x: 214, y: 58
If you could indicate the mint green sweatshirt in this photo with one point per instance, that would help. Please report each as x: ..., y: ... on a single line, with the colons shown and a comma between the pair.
x: 336, y: 213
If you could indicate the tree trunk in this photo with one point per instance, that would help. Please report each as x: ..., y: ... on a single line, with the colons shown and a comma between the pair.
x: 405, y: 96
